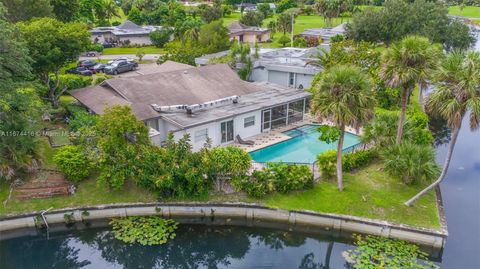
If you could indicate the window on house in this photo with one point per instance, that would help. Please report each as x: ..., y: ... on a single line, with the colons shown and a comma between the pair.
x: 291, y: 79
x: 201, y: 135
x: 249, y: 121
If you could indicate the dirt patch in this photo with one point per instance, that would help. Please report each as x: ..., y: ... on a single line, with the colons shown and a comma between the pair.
x: 42, y: 184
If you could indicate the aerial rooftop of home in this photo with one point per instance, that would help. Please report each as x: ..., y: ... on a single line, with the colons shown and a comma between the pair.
x: 324, y: 33
x: 211, y: 99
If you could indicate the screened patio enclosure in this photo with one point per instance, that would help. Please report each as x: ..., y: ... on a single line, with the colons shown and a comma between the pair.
x: 284, y: 114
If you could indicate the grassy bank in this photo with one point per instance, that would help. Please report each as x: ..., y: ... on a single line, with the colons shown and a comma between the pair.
x: 369, y: 193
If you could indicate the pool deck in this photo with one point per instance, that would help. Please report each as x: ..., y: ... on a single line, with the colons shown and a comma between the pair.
x: 275, y: 136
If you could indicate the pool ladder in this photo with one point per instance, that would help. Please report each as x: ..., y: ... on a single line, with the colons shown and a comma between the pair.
x: 45, y: 220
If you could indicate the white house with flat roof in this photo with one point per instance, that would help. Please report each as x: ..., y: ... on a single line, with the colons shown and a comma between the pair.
x: 208, y: 101
x: 286, y: 67
x: 125, y: 33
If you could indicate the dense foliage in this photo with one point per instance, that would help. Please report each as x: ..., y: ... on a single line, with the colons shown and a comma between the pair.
x: 252, y: 18
x: 227, y: 163
x: 73, y: 162
x: 279, y: 177
x: 411, y: 163
x: 147, y: 231
x: 382, y: 252
x: 401, y: 18
x: 160, y: 37
x: 326, y: 161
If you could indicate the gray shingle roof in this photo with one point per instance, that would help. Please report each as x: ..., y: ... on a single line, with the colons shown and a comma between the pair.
x: 178, y: 87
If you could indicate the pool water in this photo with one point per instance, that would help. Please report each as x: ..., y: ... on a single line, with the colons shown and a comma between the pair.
x: 303, y: 147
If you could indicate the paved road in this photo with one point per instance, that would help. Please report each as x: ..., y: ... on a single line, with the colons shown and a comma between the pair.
x: 149, y: 57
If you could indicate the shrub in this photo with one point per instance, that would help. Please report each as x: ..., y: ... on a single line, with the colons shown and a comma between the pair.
x: 99, y: 78
x: 72, y: 161
x: 291, y: 177
x: 150, y: 230
x: 82, y: 119
x: 412, y: 163
x: 72, y: 82
x: 95, y: 47
x: 357, y: 159
x: 327, y: 162
x: 227, y: 161
x: 277, y: 177
x: 258, y: 185
x: 337, y: 38
x: 300, y: 42
x: 284, y: 40
x: 160, y: 37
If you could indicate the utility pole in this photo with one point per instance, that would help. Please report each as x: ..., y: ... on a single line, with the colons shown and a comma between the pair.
x: 291, y: 36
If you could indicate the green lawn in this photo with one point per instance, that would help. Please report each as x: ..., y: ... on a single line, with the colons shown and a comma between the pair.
x: 468, y: 11
x: 368, y: 193
x: 146, y: 50
x: 88, y: 193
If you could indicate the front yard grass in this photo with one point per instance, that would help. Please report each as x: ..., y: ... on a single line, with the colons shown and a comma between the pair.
x: 146, y: 50
x: 369, y: 193
x: 467, y: 11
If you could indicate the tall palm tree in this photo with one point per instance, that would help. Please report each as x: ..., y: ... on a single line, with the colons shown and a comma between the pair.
x: 111, y: 9
x: 343, y: 95
x: 406, y: 64
x: 457, y: 93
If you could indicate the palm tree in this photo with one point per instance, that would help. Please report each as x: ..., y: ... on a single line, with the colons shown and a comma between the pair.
x: 111, y: 9
x: 343, y: 95
x: 458, y: 92
x: 406, y: 64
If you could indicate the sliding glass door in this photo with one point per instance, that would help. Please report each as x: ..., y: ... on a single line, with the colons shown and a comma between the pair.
x: 226, y: 128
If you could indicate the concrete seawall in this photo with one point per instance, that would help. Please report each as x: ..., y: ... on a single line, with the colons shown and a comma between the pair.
x: 234, y: 214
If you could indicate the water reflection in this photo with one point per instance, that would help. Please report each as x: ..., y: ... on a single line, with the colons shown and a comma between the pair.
x: 194, y: 247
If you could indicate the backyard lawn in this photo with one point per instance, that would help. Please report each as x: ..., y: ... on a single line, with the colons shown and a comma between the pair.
x: 369, y: 193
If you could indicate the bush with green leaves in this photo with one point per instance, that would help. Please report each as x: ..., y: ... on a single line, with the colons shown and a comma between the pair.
x: 99, y: 78
x: 72, y: 81
x: 147, y: 231
x: 160, y: 37
x: 358, y: 159
x: 300, y: 42
x: 382, y: 129
x: 95, y: 47
x: 411, y: 163
x: 73, y: 162
x: 227, y: 162
x: 82, y: 119
x: 327, y: 161
x: 284, y: 40
x: 382, y: 252
x: 278, y: 177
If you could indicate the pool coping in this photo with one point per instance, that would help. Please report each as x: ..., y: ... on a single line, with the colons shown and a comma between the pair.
x: 249, y: 214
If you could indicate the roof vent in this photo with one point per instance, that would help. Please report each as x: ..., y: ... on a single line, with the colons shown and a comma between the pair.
x: 185, y: 72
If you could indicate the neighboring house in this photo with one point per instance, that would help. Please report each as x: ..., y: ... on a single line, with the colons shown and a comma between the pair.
x: 127, y: 33
x: 247, y: 6
x: 323, y: 34
x: 286, y: 67
x: 208, y: 101
x: 249, y: 34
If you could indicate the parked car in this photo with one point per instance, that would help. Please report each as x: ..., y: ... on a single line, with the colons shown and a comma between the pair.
x: 80, y: 71
x: 92, y: 53
x: 98, y: 68
x: 87, y: 63
x: 120, y: 67
x: 119, y: 60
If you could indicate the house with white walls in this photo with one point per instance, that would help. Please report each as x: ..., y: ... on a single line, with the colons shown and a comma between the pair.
x: 286, y: 67
x: 209, y: 101
x: 127, y: 33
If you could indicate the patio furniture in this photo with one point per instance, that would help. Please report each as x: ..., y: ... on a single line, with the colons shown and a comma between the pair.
x: 244, y: 142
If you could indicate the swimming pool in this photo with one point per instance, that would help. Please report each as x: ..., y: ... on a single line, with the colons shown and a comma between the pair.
x: 303, y: 147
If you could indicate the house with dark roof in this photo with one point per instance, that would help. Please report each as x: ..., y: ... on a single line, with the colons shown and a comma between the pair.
x: 127, y: 33
x: 250, y: 34
x: 208, y: 101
